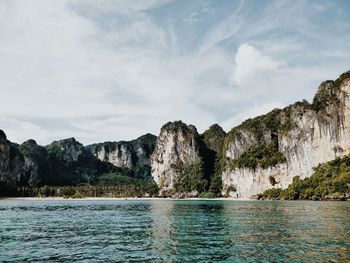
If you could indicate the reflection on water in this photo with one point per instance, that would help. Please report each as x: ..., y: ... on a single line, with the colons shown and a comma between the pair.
x: 174, y: 231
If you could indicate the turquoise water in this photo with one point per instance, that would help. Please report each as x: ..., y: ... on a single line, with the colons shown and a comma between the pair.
x: 174, y: 231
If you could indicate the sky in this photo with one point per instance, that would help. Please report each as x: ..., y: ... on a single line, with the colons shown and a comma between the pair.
x: 108, y: 70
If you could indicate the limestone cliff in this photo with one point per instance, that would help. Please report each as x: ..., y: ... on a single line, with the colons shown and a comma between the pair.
x: 214, y: 138
x: 177, y: 149
x: 268, y: 151
x: 36, y: 163
x: 77, y: 163
x: 264, y: 152
x: 134, y: 155
x: 64, y: 162
x: 11, y: 163
x: 67, y: 162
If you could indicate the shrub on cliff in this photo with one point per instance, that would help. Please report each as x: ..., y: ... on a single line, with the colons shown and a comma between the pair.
x: 263, y: 155
x: 329, y: 180
x: 211, y: 150
x: 264, y: 152
x: 191, y: 179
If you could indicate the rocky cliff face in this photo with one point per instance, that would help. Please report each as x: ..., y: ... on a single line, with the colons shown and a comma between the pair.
x: 268, y: 151
x: 36, y: 166
x: 264, y: 152
x: 11, y: 163
x: 177, y: 148
x: 214, y: 138
x: 69, y: 151
x: 117, y: 153
x: 74, y: 162
x: 133, y: 155
x: 68, y: 162
x: 64, y: 162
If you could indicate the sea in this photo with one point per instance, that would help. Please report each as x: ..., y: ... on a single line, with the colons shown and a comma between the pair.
x: 174, y: 231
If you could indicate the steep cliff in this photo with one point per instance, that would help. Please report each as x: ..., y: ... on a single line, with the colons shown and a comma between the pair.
x: 214, y: 138
x: 73, y: 163
x: 64, y: 162
x: 329, y: 181
x: 176, y: 163
x: 36, y: 163
x: 268, y: 151
x: 212, y: 141
x: 68, y: 162
x: 134, y: 155
x: 262, y: 153
x: 11, y: 164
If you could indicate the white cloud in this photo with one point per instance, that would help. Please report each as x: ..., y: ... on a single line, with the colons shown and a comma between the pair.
x: 224, y: 30
x: 98, y: 84
x: 263, y: 83
x: 250, y: 62
x: 113, y: 70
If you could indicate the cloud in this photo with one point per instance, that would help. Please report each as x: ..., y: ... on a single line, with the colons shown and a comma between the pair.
x: 224, y: 30
x: 114, y: 70
x: 262, y: 83
x: 249, y: 62
x: 192, y: 18
x: 98, y: 83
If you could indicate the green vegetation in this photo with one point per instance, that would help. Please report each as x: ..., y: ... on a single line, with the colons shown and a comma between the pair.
x: 191, y: 178
x: 178, y: 125
x: 229, y: 189
x: 267, y: 128
x: 201, y: 176
x: 263, y: 155
x: 211, y: 149
x: 66, y: 150
x: 271, y: 193
x: 189, y: 132
x: 83, y: 191
x: 329, y: 181
x: 216, y: 185
x: 326, y: 93
x: 145, y: 142
x: 264, y: 152
x: 43, y: 168
x: 258, y: 126
x: 32, y: 150
x: 116, y: 179
x: 214, y: 138
x: 207, y: 195
x: 113, y: 184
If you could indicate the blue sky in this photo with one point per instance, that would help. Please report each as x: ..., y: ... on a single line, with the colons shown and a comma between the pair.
x: 113, y: 70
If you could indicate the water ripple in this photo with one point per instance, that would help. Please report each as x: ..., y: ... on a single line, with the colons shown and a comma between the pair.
x: 174, y: 231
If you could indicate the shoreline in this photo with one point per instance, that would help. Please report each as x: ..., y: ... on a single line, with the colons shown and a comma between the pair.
x: 156, y: 199
x: 125, y: 199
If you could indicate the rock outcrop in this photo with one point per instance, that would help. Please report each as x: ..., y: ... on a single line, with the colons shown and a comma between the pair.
x: 75, y: 163
x: 214, y: 138
x: 177, y: 148
x: 134, y: 155
x: 36, y: 163
x: 262, y: 153
x: 212, y: 141
x: 64, y: 162
x: 11, y: 164
x: 268, y: 151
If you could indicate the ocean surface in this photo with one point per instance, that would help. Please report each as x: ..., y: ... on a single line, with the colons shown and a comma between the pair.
x: 174, y: 231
